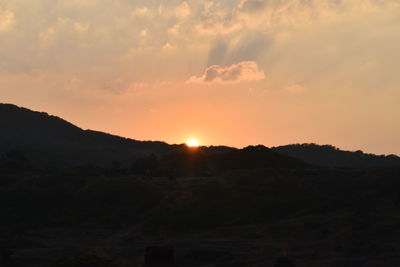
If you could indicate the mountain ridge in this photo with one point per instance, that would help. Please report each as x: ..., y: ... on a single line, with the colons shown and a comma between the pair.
x: 50, y: 140
x: 331, y: 156
x: 39, y: 134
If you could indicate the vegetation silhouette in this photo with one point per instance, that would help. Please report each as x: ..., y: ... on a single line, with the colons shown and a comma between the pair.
x: 72, y: 197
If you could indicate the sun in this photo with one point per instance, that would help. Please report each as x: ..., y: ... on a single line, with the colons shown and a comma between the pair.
x: 192, y: 143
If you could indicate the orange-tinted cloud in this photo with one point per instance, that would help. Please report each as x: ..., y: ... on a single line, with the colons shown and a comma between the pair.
x: 242, y: 71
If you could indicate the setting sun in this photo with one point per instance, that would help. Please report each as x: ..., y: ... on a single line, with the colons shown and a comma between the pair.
x: 192, y: 143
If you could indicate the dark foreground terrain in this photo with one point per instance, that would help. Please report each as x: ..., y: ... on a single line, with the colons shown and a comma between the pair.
x: 79, y: 198
x: 319, y: 217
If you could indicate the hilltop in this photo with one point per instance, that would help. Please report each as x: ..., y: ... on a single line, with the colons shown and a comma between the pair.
x: 50, y: 141
x: 331, y: 156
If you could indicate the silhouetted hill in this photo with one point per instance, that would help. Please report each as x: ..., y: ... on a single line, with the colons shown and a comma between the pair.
x: 327, y: 155
x: 30, y: 138
x: 49, y: 140
x: 45, y: 140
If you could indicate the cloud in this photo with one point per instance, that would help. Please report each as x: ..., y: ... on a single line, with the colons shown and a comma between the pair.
x: 64, y: 30
x: 142, y: 11
x: 252, y: 5
x: 242, y: 71
x: 76, y: 4
x: 7, y: 20
x: 247, y: 47
x: 278, y: 15
x: 128, y: 39
x: 183, y: 10
x: 217, y: 53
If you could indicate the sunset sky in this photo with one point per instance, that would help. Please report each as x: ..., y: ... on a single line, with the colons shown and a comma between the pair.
x: 229, y: 72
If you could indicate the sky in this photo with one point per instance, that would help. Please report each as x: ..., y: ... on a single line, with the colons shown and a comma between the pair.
x: 228, y: 72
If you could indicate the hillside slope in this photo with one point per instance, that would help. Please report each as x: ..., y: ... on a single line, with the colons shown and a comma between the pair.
x: 330, y: 156
x: 50, y: 140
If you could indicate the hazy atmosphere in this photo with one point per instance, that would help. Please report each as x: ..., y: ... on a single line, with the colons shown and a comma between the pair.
x: 225, y: 72
x: 200, y: 133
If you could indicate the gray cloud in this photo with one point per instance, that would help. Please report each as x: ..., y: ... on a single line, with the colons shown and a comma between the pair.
x: 252, y: 5
x: 250, y: 47
x: 218, y: 53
